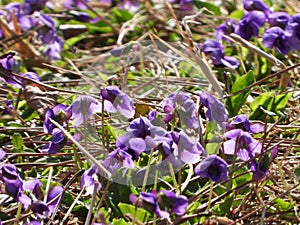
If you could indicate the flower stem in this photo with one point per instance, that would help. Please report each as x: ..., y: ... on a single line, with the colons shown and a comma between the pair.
x: 18, y: 214
x: 173, y: 177
x: 88, y: 218
x: 210, y: 195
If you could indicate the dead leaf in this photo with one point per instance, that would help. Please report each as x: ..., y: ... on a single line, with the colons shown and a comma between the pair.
x: 39, y: 100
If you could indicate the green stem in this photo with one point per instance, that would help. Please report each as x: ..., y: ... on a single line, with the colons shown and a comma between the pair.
x: 18, y: 214
x: 210, y: 195
x: 173, y: 177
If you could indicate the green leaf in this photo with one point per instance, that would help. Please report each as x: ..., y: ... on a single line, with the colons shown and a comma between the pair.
x: 141, y: 214
x: 119, y: 222
x: 73, y: 40
x: 237, y: 14
x: 17, y: 141
x: 283, y: 205
x: 121, y: 15
x: 99, y: 27
x: 297, y: 172
x: 267, y: 103
x: 224, y: 207
x: 211, y: 7
x: 234, y: 103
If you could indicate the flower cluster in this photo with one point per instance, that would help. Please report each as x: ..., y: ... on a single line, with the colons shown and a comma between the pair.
x: 216, y: 52
x: 29, y: 193
x: 8, y: 63
x: 282, y: 33
x: 80, y: 111
x: 154, y: 202
x: 28, y: 16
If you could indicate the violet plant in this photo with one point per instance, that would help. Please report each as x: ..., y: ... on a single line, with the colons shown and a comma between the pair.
x: 143, y: 148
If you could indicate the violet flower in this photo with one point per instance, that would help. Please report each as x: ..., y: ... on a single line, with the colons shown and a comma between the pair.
x: 293, y: 28
x: 7, y: 61
x: 149, y: 201
x: 216, y: 52
x: 259, y: 5
x: 180, y: 105
x: 57, y: 142
x: 134, y: 146
x: 2, y: 153
x: 34, y: 186
x: 179, y: 149
x: 212, y: 167
x: 277, y: 38
x: 70, y: 4
x: 13, y: 184
x: 9, y: 105
x: 250, y: 24
x: 115, y: 100
x: 29, y: 6
x: 129, y: 5
x: 243, y: 143
x: 260, y: 168
x: 83, y: 108
x: 242, y: 122
x: 226, y: 28
x: 53, y: 198
x: 117, y: 159
x: 140, y: 127
x: 59, y: 113
x: 177, y: 204
x: 215, y: 109
x: 88, y: 179
x: 279, y: 19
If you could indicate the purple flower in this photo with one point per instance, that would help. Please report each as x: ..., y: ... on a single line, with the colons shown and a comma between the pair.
x: 54, y: 49
x: 2, y: 153
x: 13, y: 184
x: 7, y: 62
x: 58, y: 113
x: 215, y: 109
x: 58, y: 141
x: 70, y: 4
x: 293, y: 27
x: 9, y: 105
x: 279, y: 19
x: 260, y: 168
x: 30, y: 6
x: 149, y: 201
x: 140, y: 127
x: 88, y: 179
x: 226, y: 28
x: 130, y: 5
x: 249, y: 25
x: 242, y: 122
x: 33, y: 186
x: 281, y: 40
x: 212, y: 167
x: 179, y: 148
x: 115, y: 100
x: 81, y: 16
x: 117, y: 159
x: 216, y: 52
x: 132, y: 145
x: 243, y: 143
x: 178, y: 204
x: 179, y: 104
x: 53, y: 198
x: 83, y: 108
x: 259, y: 5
